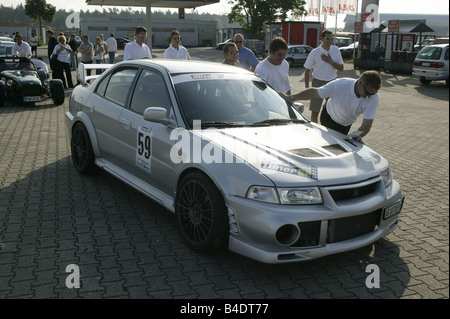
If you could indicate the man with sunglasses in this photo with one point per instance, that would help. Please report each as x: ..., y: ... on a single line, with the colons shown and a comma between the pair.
x: 347, y: 99
x: 247, y: 58
x: 137, y: 49
x: 231, y: 54
x: 324, y: 62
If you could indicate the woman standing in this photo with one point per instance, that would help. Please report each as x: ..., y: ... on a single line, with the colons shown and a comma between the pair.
x: 99, y: 52
x: 62, y: 51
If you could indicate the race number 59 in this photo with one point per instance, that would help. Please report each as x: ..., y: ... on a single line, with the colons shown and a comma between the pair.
x: 144, y: 148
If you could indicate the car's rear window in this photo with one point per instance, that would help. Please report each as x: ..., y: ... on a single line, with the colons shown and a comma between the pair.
x: 430, y: 53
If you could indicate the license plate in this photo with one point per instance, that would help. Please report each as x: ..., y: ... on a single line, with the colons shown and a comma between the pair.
x: 392, y: 209
x: 426, y: 63
x: 32, y: 98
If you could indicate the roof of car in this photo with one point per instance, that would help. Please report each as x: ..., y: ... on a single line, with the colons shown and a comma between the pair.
x: 190, y: 66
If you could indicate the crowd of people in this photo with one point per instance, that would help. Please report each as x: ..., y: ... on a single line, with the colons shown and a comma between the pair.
x: 346, y: 98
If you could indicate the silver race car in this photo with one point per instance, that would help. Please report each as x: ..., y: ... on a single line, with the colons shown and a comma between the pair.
x: 232, y: 159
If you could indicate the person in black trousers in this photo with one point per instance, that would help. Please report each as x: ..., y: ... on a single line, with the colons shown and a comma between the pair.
x: 62, y: 50
x: 52, y: 42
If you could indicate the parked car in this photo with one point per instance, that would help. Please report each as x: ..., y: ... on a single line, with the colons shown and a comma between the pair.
x: 432, y: 64
x: 121, y: 42
x: 21, y: 81
x: 232, y: 159
x: 219, y: 46
x: 8, y: 39
x: 347, y: 51
x: 342, y: 41
x: 6, y: 48
x: 297, y: 54
x: 78, y: 40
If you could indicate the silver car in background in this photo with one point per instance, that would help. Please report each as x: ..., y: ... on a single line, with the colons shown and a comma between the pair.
x: 237, y: 165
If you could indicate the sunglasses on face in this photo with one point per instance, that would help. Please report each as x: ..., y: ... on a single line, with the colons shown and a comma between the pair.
x: 365, y: 91
x: 142, y: 36
x: 237, y: 41
x: 328, y: 38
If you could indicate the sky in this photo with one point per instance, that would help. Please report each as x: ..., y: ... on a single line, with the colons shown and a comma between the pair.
x: 386, y: 6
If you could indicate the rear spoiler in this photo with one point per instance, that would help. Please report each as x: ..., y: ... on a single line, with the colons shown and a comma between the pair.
x: 81, y: 71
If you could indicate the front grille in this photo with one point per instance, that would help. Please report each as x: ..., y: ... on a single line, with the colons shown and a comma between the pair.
x: 350, y: 227
x: 351, y: 193
x: 32, y: 90
x: 309, y: 234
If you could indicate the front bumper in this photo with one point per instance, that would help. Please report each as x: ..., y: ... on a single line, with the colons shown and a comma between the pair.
x: 273, y: 233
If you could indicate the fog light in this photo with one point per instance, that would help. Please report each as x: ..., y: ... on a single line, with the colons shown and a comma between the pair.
x: 287, y: 234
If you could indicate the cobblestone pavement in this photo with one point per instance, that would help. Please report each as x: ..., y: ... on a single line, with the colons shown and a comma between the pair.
x: 126, y: 246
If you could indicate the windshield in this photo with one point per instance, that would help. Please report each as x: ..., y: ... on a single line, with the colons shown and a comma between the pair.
x: 430, y: 53
x: 233, y: 102
x: 17, y: 65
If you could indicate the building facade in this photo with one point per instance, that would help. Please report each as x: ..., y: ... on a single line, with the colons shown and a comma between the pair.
x: 194, y: 33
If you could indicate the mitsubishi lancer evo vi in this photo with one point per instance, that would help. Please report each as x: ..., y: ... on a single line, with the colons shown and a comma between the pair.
x: 236, y: 164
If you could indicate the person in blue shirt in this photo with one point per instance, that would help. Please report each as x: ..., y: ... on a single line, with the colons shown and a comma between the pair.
x: 247, y: 58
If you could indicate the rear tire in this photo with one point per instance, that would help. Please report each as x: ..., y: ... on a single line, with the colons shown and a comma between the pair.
x: 201, y: 214
x: 57, y: 91
x: 424, y: 81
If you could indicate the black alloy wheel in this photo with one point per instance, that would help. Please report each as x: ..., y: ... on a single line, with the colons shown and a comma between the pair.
x: 201, y: 214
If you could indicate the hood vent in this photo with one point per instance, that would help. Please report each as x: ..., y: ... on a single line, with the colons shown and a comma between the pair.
x: 305, y: 152
x: 336, y: 149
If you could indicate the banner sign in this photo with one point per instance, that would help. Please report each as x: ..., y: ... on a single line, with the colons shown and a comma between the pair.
x: 331, y: 7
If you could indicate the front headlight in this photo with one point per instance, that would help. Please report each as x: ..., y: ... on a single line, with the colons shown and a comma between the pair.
x: 263, y: 193
x: 287, y: 196
x: 300, y: 196
x: 386, y: 176
x: 9, y: 82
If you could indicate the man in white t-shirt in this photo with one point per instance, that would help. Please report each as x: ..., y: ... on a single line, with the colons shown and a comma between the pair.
x: 324, y: 62
x: 137, y: 49
x: 347, y: 99
x: 21, y: 48
x: 275, y: 69
x: 176, y: 50
x: 111, y: 42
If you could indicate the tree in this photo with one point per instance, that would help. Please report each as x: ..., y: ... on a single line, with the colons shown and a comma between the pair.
x: 254, y: 14
x: 40, y: 10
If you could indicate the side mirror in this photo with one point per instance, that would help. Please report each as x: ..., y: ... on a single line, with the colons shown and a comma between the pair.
x: 158, y: 115
x: 299, y: 107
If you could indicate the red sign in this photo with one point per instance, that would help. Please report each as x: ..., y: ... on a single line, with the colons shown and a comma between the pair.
x: 394, y: 26
x: 358, y: 28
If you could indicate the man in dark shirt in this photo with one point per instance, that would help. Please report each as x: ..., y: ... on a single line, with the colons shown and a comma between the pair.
x: 52, y: 42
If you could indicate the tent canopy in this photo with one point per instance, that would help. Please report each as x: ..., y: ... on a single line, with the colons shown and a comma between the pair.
x: 153, y: 3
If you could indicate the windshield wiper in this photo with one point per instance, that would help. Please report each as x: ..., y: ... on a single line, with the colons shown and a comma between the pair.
x: 277, y: 122
x: 220, y: 123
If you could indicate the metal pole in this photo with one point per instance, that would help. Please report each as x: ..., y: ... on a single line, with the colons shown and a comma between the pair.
x: 148, y: 11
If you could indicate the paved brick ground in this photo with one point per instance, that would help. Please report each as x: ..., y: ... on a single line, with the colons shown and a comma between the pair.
x: 126, y: 246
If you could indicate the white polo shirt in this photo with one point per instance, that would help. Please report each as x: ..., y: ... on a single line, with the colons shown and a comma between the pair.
x: 180, y: 54
x: 320, y: 69
x: 343, y: 105
x: 135, y: 51
x: 277, y: 76
x: 23, y: 50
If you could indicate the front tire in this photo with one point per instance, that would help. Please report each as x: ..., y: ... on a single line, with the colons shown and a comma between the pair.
x: 201, y: 214
x: 2, y: 93
x: 83, y: 157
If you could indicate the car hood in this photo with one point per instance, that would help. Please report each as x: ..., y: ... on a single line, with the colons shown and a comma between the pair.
x: 21, y: 75
x: 295, y: 154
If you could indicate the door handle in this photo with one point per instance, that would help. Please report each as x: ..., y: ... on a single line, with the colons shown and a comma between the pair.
x: 126, y: 124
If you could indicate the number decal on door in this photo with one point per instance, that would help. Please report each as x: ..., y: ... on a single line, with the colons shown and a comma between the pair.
x: 144, y: 148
